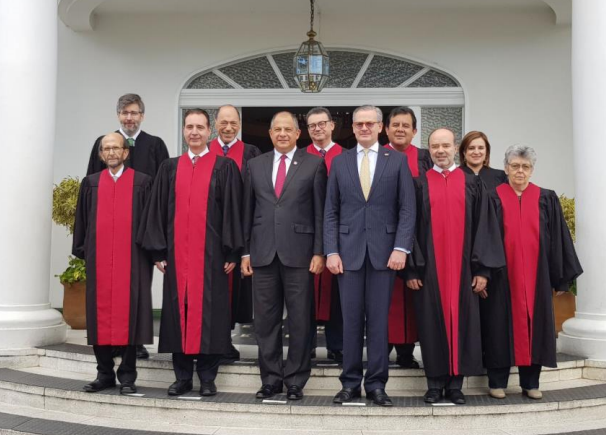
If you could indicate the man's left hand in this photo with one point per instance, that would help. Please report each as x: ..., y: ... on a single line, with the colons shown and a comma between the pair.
x: 397, y: 260
x: 479, y: 286
x: 317, y: 264
x: 228, y: 267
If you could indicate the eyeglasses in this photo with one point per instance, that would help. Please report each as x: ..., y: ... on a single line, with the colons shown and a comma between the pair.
x: 361, y: 125
x: 132, y: 114
x: 112, y: 150
x: 321, y: 125
x: 516, y: 167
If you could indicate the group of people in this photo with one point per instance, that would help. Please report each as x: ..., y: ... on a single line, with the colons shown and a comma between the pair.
x: 387, y: 245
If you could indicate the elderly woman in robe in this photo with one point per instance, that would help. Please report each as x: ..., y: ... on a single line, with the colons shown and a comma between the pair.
x: 517, y: 312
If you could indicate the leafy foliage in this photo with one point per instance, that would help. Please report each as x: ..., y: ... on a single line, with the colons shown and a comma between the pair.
x: 75, y: 272
x: 568, y: 210
x: 65, y: 199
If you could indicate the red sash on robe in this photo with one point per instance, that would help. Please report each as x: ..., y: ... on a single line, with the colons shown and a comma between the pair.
x: 521, y: 226
x: 192, y: 187
x: 323, y: 281
x: 412, y: 153
x: 236, y: 151
x: 447, y: 204
x: 113, y: 262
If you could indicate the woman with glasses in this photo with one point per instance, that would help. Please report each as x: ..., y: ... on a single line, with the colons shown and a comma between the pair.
x: 517, y: 312
x: 474, y: 155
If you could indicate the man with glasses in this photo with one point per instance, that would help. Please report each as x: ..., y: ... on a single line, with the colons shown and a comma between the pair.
x: 369, y: 225
x: 119, y: 272
x: 327, y: 303
x: 146, y: 152
x: 227, y: 144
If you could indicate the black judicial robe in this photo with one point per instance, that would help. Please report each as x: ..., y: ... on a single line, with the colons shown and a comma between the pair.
x: 490, y: 176
x: 456, y: 239
x: 240, y: 287
x: 517, y: 317
x: 119, y: 273
x: 192, y: 221
x: 145, y: 156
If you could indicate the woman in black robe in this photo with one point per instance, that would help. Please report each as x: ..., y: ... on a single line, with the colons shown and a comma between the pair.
x: 474, y: 155
x: 517, y: 312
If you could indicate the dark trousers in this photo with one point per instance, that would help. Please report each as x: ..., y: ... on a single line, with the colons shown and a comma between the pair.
x: 127, y: 370
x: 333, y: 327
x: 403, y: 350
x: 273, y: 286
x: 365, y: 299
x: 207, y: 366
x: 445, y: 383
x: 529, y: 377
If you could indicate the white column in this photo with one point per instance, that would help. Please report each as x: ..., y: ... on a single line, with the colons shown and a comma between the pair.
x: 28, y: 75
x: 585, y: 334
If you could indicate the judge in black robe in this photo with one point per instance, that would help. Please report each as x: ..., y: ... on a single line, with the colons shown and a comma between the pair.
x: 474, y: 155
x: 517, y: 314
x: 192, y: 227
x: 457, y: 248
x: 119, y: 273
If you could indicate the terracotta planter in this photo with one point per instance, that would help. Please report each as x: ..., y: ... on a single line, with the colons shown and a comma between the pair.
x: 564, y: 307
x: 74, y: 304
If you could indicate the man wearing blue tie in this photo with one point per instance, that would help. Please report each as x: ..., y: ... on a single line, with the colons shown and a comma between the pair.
x: 368, y: 231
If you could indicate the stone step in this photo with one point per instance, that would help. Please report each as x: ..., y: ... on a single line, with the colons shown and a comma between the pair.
x: 21, y: 388
x: 245, y: 373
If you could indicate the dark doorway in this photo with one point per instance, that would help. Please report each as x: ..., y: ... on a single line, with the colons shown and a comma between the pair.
x: 255, y: 125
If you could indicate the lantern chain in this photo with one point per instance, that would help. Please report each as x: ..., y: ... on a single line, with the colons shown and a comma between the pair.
x: 311, y: 24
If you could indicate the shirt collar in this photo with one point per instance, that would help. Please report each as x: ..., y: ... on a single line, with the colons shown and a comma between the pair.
x: 374, y: 148
x: 327, y: 148
x: 439, y: 170
x: 289, y: 155
x: 134, y: 136
x: 228, y: 144
x: 117, y: 174
x: 192, y: 155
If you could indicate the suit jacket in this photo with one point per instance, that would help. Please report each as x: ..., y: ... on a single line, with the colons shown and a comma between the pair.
x: 353, y: 225
x: 289, y: 226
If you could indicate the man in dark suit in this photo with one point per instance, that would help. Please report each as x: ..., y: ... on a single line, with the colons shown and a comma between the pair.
x: 146, y: 152
x: 284, y: 194
x: 368, y: 231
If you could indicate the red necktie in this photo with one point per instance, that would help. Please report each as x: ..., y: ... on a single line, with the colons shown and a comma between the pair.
x: 446, y: 173
x: 281, y: 177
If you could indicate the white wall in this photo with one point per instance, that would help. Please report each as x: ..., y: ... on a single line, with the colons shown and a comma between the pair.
x: 514, y: 67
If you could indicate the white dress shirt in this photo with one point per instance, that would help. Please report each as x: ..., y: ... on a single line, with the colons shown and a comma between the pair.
x: 134, y: 136
x: 277, y: 156
x: 372, y: 158
x: 231, y: 144
x: 192, y: 155
x: 439, y: 170
x: 328, y: 147
x: 117, y: 174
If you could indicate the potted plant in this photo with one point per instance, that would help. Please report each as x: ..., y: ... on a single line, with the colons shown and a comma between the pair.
x: 65, y: 199
x: 564, y: 306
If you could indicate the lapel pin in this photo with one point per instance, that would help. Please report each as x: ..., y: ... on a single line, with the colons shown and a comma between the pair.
x: 386, y: 154
x: 294, y: 163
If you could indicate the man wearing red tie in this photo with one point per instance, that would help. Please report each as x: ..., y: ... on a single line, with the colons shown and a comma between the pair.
x: 227, y: 144
x: 401, y: 128
x: 327, y: 302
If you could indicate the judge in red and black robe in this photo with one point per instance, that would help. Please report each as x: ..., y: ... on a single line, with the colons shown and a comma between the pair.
x: 474, y: 155
x: 457, y: 248
x: 227, y: 144
x: 401, y: 128
x: 517, y: 314
x: 193, y: 229
x: 119, y: 273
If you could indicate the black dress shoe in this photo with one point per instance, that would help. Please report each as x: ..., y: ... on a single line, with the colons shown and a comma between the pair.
x: 456, y: 396
x: 336, y: 356
x: 312, y: 354
x: 268, y: 391
x: 379, y: 397
x: 180, y: 387
x: 433, y: 395
x: 230, y: 357
x: 98, y: 385
x: 142, y: 352
x: 128, y: 388
x: 208, y: 388
x: 294, y: 392
x: 346, y: 395
x: 407, y: 362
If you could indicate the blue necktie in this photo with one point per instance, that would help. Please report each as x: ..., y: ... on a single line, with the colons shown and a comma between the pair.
x: 225, y: 150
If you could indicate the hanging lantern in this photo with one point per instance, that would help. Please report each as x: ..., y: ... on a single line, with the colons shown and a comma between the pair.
x: 311, y: 63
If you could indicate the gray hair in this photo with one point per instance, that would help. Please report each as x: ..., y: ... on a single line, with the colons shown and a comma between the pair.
x: 292, y: 115
x: 127, y: 100
x: 521, y: 151
x: 369, y: 107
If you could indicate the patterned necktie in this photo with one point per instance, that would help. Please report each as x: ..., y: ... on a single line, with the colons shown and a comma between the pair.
x: 281, y: 176
x: 195, y: 160
x: 365, y: 174
x: 323, y: 153
x: 115, y: 177
x: 446, y: 173
x: 131, y: 142
x: 225, y: 150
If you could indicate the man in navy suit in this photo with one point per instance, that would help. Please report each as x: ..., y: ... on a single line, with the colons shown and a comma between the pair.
x: 369, y: 225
